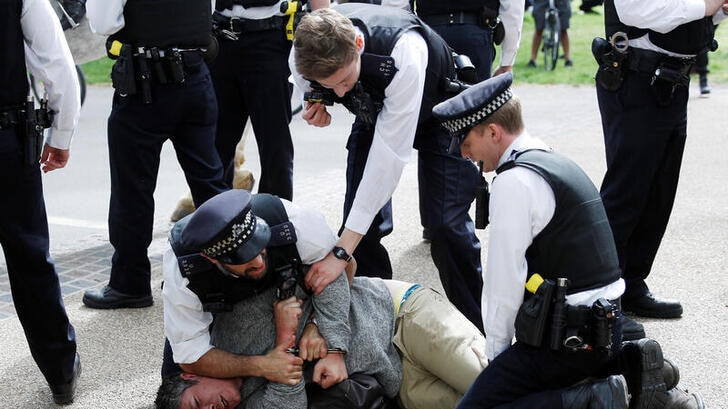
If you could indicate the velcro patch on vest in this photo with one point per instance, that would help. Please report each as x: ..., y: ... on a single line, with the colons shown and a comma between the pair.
x: 282, y: 234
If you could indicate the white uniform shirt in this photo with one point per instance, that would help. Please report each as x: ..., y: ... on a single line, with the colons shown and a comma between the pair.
x: 49, y: 59
x: 511, y: 14
x: 661, y: 16
x: 521, y: 204
x: 187, y: 326
x: 395, y: 129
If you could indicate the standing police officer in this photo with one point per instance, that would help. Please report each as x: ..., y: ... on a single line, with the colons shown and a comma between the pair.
x: 32, y: 40
x: 643, y: 107
x: 471, y: 28
x: 163, y: 91
x: 250, y: 75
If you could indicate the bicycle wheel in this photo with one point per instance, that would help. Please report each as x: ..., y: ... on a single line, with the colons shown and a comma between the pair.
x: 551, y: 40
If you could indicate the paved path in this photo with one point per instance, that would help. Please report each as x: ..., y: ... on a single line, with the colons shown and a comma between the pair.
x: 121, y: 350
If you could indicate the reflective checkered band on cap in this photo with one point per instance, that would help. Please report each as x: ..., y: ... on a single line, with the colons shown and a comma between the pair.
x: 457, y: 125
x: 239, y: 233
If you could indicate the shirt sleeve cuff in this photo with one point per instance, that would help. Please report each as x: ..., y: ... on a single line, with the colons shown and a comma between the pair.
x: 359, y: 221
x: 60, y: 139
x: 191, y: 351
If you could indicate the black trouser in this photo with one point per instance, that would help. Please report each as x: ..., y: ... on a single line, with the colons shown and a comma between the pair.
x: 533, y: 378
x: 475, y: 41
x: 447, y: 186
x: 33, y: 279
x: 183, y: 113
x: 644, y: 145
x: 251, y: 81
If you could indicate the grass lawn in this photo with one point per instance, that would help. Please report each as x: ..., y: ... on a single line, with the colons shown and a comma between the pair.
x: 584, y: 27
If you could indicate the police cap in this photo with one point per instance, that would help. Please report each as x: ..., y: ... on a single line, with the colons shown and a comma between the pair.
x: 464, y: 111
x: 224, y: 228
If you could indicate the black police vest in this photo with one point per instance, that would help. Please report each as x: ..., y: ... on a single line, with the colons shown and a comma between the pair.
x: 689, y: 39
x: 382, y: 27
x: 14, y: 87
x: 221, y: 5
x: 219, y: 292
x: 577, y: 243
x: 436, y: 7
x: 166, y: 23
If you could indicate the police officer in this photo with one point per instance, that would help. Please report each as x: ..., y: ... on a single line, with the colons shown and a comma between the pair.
x: 32, y: 39
x: 470, y: 27
x: 389, y: 70
x: 549, y: 239
x: 644, y: 116
x: 234, y: 246
x: 250, y: 75
x: 162, y: 91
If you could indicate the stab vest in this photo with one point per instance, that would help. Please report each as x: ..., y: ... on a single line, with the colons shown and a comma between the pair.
x: 435, y: 7
x: 577, y: 243
x: 217, y: 291
x: 382, y: 27
x: 166, y: 23
x: 689, y: 38
x: 14, y: 88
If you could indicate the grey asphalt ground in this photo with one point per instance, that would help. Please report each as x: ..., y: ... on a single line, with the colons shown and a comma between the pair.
x: 121, y: 350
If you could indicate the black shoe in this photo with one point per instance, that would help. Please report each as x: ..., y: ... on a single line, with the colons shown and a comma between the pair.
x: 671, y: 374
x: 649, y: 306
x: 63, y: 393
x: 704, y: 87
x: 569, y: 63
x: 679, y: 399
x: 631, y: 329
x: 108, y: 298
x: 609, y: 393
x: 531, y: 64
x: 647, y: 380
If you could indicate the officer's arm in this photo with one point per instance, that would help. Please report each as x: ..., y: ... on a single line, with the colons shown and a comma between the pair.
x: 319, y: 4
x: 276, y: 366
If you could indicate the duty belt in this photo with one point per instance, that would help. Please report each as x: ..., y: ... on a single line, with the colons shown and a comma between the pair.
x: 642, y: 60
x: 244, y: 25
x: 457, y: 17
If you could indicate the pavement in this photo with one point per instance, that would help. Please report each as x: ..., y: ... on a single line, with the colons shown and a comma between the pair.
x: 121, y: 350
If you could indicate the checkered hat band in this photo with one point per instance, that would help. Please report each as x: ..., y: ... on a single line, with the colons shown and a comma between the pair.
x: 239, y: 234
x: 457, y: 125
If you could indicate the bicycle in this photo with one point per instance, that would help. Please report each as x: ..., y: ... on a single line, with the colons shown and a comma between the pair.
x: 551, y: 39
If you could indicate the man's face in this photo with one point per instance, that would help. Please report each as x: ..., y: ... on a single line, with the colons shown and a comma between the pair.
x: 254, y: 269
x: 479, y: 145
x: 344, y: 79
x: 211, y: 393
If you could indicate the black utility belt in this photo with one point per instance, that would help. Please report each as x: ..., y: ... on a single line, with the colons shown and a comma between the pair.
x: 459, y: 17
x: 642, y: 60
x: 238, y: 25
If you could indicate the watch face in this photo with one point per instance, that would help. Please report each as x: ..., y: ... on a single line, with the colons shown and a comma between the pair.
x: 341, y: 254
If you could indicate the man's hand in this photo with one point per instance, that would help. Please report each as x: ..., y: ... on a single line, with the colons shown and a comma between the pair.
x: 312, y: 345
x: 282, y: 367
x: 323, y: 272
x: 53, y: 158
x: 330, y: 370
x: 502, y: 69
x: 316, y: 114
x: 287, y: 313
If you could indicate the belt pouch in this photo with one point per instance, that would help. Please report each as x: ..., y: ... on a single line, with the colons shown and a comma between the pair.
x: 534, y: 315
x: 123, y: 78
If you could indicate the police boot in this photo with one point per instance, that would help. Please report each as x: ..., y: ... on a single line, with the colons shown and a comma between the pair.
x: 679, y: 399
x: 645, y: 372
x: 608, y: 393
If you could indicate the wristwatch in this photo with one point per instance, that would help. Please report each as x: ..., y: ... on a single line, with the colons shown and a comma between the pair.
x: 341, y: 254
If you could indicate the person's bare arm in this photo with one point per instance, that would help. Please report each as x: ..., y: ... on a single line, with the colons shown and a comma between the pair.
x: 319, y: 4
x: 276, y: 366
x: 712, y: 6
x: 324, y: 271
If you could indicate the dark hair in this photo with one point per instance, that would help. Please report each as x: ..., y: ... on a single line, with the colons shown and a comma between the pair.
x: 170, y: 391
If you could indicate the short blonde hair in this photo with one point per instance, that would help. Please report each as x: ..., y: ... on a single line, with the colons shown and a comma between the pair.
x: 508, y: 116
x: 324, y: 42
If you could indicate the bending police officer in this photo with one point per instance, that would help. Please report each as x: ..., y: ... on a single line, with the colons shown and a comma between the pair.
x: 388, y: 68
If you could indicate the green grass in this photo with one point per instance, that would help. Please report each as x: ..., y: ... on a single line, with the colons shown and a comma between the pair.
x: 584, y: 27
